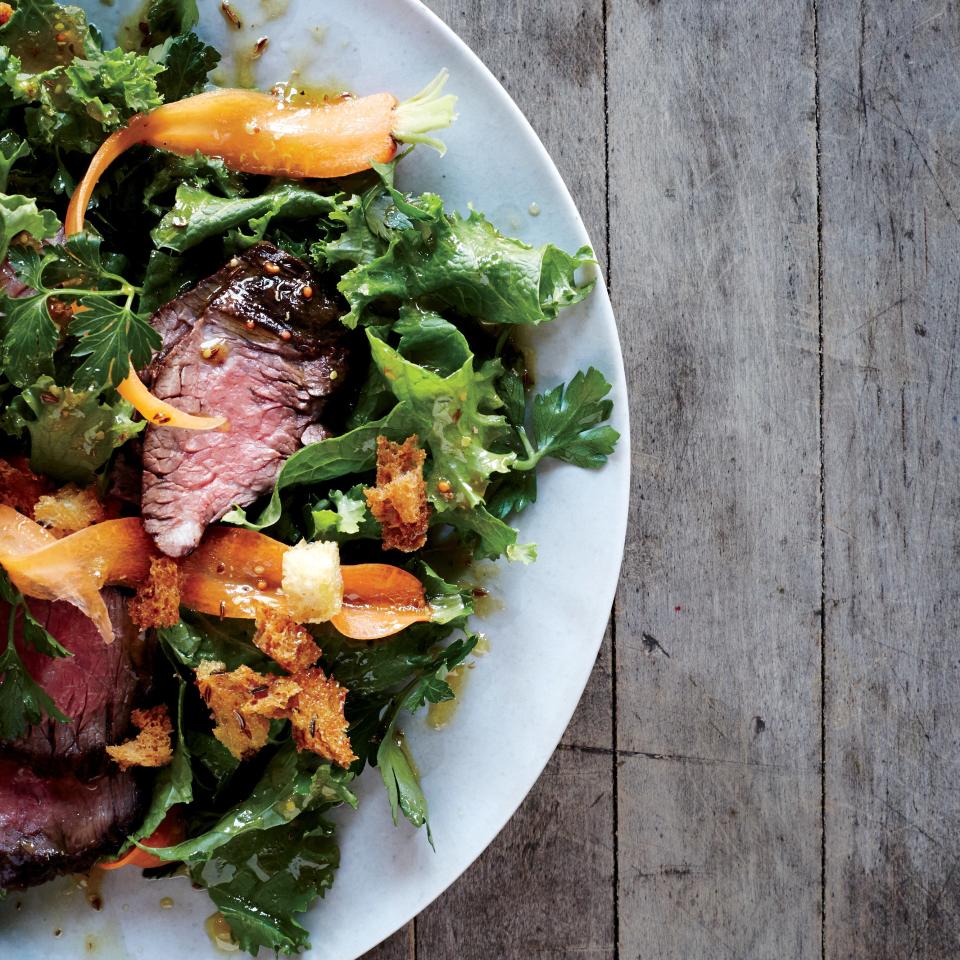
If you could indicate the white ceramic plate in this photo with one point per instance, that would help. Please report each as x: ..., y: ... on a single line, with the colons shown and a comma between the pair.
x: 543, y: 642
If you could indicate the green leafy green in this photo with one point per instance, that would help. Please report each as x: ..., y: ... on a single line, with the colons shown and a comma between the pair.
x: 444, y: 260
x: 342, y: 516
x: 292, y: 783
x: 110, y: 334
x: 23, y: 702
x: 173, y: 785
x: 72, y: 433
x: 396, y: 766
x: 567, y: 423
x: 205, y: 638
x: 198, y: 214
x: 19, y: 214
x: 451, y: 414
x: 186, y: 61
x: 260, y: 881
x: 12, y: 149
x: 352, y: 452
x: 172, y: 16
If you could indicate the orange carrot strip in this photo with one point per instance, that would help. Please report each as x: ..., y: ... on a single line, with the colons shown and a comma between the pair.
x: 378, y: 601
x: 76, y: 567
x: 256, y: 132
x: 235, y: 570
x: 159, y: 412
x: 170, y: 832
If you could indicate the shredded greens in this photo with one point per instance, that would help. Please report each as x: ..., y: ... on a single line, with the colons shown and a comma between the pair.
x: 433, y: 297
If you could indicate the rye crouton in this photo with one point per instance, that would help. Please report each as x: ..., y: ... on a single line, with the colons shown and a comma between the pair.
x: 152, y: 746
x: 284, y: 640
x: 157, y: 603
x: 399, y: 500
x: 242, y: 703
x: 317, y: 717
x: 312, y: 582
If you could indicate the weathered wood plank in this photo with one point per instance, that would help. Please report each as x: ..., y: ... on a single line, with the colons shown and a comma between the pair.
x: 713, y: 263
x: 401, y: 946
x: 890, y: 90
x: 545, y: 887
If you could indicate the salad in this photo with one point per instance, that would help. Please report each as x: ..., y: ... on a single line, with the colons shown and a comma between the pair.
x: 262, y: 411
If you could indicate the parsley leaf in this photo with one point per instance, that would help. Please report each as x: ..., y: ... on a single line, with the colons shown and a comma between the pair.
x: 111, y: 337
x: 109, y: 334
x: 567, y: 423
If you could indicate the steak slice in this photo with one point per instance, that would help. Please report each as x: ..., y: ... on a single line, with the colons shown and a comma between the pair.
x: 258, y: 343
x: 52, y: 825
x: 95, y: 687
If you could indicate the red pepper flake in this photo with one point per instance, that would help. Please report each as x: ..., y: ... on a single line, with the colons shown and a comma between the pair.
x: 285, y: 334
x: 250, y: 324
x: 676, y: 609
x: 161, y: 418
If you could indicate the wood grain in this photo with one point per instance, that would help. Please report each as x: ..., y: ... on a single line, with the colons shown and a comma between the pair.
x: 544, y: 889
x: 714, y: 276
x: 890, y: 90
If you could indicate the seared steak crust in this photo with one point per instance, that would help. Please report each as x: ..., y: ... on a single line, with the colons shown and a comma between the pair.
x: 95, y: 687
x: 60, y: 825
x: 258, y: 343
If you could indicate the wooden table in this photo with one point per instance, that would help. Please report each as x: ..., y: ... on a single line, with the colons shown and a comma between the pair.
x: 766, y: 761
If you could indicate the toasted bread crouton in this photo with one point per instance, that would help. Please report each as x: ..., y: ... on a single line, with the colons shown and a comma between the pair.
x: 152, y: 746
x: 312, y: 582
x: 317, y: 717
x: 399, y: 500
x: 20, y: 487
x: 284, y: 640
x: 70, y: 509
x: 243, y: 702
x: 157, y: 603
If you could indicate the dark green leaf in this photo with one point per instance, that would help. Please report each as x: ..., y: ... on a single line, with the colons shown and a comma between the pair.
x: 197, y: 214
x: 292, y: 783
x: 173, y: 785
x: 352, y: 452
x: 566, y: 421
x: 260, y: 881
x: 186, y: 61
x: 206, y: 638
x: 111, y: 336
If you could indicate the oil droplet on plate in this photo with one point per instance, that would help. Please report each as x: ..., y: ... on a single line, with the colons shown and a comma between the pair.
x: 166, y: 903
x: 534, y: 209
x: 218, y: 930
x: 90, y: 944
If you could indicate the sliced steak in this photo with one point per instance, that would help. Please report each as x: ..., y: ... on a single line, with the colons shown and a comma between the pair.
x: 258, y: 343
x: 52, y: 825
x: 95, y: 687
